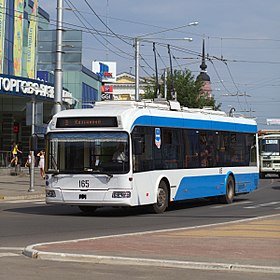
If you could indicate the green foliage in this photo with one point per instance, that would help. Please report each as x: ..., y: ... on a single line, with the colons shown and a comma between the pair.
x: 189, y: 91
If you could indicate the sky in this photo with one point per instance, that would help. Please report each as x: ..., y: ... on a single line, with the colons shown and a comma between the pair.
x: 242, y: 44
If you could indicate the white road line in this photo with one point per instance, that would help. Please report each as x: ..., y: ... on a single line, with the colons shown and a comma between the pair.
x: 11, y: 251
x: 263, y: 205
x: 269, y: 203
x: 232, y: 204
x: 11, y: 248
x: 2, y: 255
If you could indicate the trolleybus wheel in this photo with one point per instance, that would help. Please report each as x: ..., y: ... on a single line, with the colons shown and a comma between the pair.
x: 230, y: 190
x: 162, y: 198
x: 87, y: 209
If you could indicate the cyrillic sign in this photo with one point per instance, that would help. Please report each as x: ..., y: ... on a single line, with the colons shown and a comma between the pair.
x: 15, y: 86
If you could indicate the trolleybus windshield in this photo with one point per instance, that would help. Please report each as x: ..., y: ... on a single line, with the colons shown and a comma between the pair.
x: 87, y: 152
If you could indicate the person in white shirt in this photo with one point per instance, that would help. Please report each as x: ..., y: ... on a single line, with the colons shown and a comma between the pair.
x: 120, y: 155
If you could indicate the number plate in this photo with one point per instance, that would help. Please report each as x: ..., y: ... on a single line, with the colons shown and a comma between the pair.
x: 84, y: 184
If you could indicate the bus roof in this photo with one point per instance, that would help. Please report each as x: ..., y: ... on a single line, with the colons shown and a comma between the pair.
x: 131, y: 113
x: 268, y: 132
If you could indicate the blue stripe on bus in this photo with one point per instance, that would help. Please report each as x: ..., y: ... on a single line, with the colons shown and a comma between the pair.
x: 194, y: 124
x: 214, y: 185
x: 89, y: 135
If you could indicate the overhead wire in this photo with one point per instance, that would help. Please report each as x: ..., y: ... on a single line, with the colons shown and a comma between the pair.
x: 75, y: 11
x: 105, y: 23
x: 183, y: 50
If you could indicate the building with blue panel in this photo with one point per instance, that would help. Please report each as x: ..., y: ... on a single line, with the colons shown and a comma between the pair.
x: 84, y: 85
x: 24, y: 31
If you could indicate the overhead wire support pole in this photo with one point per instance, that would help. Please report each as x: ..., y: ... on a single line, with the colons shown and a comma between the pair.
x: 173, y: 93
x: 157, y: 83
x: 137, y: 65
x: 58, y: 85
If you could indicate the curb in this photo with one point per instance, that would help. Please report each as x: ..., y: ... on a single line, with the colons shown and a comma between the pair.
x: 96, y: 259
x: 22, y: 197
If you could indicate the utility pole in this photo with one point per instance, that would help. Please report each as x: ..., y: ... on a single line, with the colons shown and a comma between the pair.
x: 58, y: 85
x: 31, y: 180
x: 137, y: 65
x: 165, y: 83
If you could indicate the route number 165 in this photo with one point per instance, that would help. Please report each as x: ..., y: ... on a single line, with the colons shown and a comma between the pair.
x: 83, y: 184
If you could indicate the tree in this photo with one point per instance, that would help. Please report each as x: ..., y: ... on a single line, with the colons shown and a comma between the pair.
x: 189, y: 91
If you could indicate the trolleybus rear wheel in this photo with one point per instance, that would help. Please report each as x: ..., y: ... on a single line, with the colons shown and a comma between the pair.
x: 162, y: 198
x: 230, y: 191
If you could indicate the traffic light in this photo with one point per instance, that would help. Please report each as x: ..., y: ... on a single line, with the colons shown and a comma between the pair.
x: 16, y: 127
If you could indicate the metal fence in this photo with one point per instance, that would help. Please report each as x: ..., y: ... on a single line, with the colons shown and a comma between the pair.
x: 5, y: 158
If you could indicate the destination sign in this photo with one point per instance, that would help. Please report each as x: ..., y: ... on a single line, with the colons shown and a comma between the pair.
x: 76, y: 122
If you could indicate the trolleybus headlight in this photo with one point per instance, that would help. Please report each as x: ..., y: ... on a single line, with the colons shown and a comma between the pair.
x: 50, y: 193
x: 121, y: 194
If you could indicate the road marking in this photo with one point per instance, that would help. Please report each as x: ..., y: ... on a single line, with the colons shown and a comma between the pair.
x: 11, y: 248
x: 269, y: 203
x: 232, y: 204
x: 11, y: 251
x: 263, y: 205
x: 2, y: 255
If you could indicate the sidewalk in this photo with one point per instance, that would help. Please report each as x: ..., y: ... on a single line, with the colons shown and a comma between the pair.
x: 15, y: 187
x: 251, y: 245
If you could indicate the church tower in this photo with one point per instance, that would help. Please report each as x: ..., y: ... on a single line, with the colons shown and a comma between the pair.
x: 203, y: 76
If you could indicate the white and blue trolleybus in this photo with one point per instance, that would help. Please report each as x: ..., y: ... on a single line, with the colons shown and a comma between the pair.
x: 126, y: 153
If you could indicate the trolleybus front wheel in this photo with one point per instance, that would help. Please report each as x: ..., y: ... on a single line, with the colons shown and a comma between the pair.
x: 162, y: 198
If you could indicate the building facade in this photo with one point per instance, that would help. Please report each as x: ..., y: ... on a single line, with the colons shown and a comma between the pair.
x: 27, y: 66
x: 123, y: 88
x: 83, y: 83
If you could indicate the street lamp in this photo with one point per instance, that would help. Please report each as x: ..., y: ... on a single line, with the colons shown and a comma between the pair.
x: 193, y: 23
x: 137, y: 49
x: 168, y: 39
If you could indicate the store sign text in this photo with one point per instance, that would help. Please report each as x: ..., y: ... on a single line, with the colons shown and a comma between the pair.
x: 14, y: 86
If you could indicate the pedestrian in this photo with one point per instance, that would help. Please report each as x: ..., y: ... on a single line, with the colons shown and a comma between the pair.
x: 41, y: 164
x: 19, y: 153
x: 29, y: 162
x: 15, y: 151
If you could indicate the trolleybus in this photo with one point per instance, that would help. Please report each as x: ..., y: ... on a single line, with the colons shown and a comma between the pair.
x: 126, y: 153
x: 269, y: 143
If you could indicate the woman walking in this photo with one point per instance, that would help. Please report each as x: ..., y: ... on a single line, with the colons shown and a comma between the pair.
x: 41, y: 164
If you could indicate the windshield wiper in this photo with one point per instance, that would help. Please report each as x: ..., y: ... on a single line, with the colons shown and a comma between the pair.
x: 98, y: 171
x: 53, y: 171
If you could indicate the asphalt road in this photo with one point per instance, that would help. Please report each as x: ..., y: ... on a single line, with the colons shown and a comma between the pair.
x: 24, y: 223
